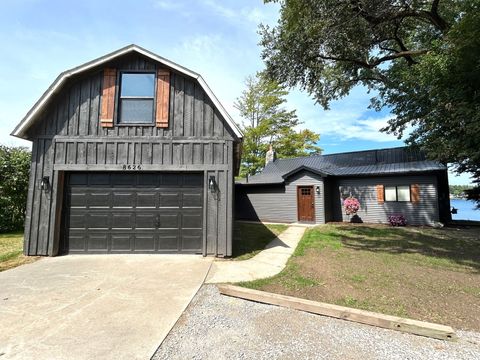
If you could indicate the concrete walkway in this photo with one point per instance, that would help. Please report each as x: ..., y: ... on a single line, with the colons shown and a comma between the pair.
x: 267, y: 263
x: 95, y: 306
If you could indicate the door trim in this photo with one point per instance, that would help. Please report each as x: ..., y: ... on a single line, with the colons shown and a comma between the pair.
x: 312, y: 189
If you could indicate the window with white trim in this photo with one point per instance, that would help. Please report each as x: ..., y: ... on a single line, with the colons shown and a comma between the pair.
x: 137, y: 97
x: 400, y: 193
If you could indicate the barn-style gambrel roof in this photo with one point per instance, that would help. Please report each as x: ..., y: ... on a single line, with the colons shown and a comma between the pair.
x: 393, y: 161
x: 42, y: 103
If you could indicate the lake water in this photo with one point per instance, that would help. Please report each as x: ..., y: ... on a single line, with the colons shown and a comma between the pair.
x: 466, y: 210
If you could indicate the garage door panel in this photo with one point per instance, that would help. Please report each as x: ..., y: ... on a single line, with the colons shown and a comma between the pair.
x: 191, y: 220
x: 169, y: 199
x: 192, y: 200
x: 121, y: 242
x: 99, y: 199
x: 144, y: 242
x: 78, y: 199
x: 123, y: 199
x: 78, y: 220
x: 169, y: 221
x: 123, y: 220
x: 147, y: 199
x: 145, y: 220
x: 76, y: 242
x: 97, y: 242
x: 191, y: 242
x: 168, y: 241
x: 133, y: 212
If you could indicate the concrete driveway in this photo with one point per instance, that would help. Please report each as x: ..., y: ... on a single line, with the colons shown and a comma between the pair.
x: 94, y: 306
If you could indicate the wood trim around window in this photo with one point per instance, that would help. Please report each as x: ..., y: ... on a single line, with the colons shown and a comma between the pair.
x: 415, y: 193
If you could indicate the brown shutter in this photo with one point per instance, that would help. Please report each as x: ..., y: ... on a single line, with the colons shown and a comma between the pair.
x: 108, y: 97
x: 415, y: 193
x: 380, y: 194
x: 163, y: 96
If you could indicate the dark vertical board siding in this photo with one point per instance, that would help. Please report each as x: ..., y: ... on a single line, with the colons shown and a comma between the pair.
x: 84, y: 109
x: 188, y: 109
x: 178, y: 106
x: 94, y: 118
x: 44, y: 220
x: 198, y: 153
x: 198, y: 111
x: 211, y: 219
x: 229, y: 198
x: 217, y: 124
x: 37, y: 199
x: 74, y: 117
x: 91, y: 153
x: 30, y: 204
x: 157, y: 156
x: 208, y: 119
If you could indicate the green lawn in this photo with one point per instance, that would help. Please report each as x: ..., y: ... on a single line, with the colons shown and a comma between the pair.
x: 418, y: 272
x: 11, y: 251
x: 249, y: 238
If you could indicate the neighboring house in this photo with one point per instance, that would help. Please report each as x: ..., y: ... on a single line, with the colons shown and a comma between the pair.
x: 312, y: 189
x: 132, y: 153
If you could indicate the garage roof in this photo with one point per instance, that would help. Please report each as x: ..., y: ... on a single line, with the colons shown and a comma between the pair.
x: 393, y: 161
x: 30, y: 118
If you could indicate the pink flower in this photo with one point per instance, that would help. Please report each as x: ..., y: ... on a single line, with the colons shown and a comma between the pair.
x: 351, y: 205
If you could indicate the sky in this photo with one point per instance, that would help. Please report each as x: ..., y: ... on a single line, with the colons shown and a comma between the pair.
x: 216, y: 38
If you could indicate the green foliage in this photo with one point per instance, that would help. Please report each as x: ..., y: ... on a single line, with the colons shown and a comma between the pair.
x: 14, y: 174
x: 459, y: 190
x: 266, y: 122
x: 422, y: 57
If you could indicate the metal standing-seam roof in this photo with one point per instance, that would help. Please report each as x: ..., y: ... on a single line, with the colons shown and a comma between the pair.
x: 400, y: 160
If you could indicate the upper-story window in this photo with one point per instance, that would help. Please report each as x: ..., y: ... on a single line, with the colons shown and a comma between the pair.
x: 137, y: 98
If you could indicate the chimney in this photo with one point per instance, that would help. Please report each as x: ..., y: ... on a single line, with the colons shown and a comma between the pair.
x: 270, y: 156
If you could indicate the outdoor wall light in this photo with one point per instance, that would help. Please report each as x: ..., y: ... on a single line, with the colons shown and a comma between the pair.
x: 45, y: 183
x: 211, y: 183
x: 317, y: 189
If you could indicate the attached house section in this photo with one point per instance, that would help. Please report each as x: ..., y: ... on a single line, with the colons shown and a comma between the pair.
x: 131, y: 153
x: 397, y: 181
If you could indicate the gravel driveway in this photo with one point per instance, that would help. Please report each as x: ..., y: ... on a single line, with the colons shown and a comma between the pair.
x: 219, y: 327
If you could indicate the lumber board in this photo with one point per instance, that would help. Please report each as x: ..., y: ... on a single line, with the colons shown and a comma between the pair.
x: 416, y: 327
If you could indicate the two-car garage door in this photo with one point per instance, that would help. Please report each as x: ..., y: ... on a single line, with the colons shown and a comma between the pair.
x: 133, y: 212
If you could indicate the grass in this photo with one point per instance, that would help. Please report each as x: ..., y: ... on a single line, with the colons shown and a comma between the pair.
x: 251, y: 238
x: 11, y: 251
x: 418, y: 272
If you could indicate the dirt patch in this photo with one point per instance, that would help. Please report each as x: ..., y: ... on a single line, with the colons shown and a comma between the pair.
x: 419, y: 279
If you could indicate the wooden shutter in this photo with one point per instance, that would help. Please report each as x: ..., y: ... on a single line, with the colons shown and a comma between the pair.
x: 380, y: 194
x: 163, y: 98
x: 415, y: 193
x: 108, y: 97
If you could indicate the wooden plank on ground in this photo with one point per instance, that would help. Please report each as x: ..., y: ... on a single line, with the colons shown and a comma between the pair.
x: 416, y: 327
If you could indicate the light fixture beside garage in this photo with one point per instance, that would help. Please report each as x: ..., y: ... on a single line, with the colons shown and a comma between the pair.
x: 212, y: 184
x: 317, y: 189
x: 45, y: 183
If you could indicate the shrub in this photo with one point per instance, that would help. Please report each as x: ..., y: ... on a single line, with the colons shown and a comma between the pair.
x: 14, y: 174
x: 351, y: 205
x: 397, y: 220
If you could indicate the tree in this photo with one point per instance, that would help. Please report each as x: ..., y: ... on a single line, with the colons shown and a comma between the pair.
x: 266, y: 121
x: 421, y: 57
x: 14, y: 175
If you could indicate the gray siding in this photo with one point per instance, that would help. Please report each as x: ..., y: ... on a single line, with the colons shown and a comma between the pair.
x: 279, y: 203
x: 68, y: 137
x: 422, y: 213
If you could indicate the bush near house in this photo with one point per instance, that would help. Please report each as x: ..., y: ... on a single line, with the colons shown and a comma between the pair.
x: 416, y: 272
x: 14, y: 174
